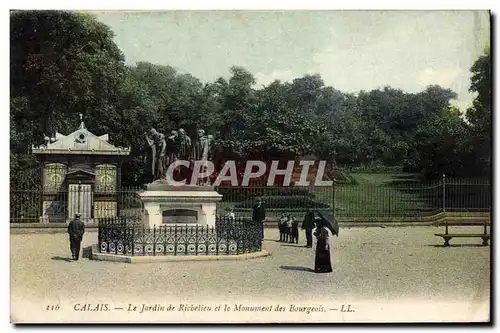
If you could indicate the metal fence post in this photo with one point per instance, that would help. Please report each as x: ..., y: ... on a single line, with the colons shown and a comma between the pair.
x: 444, y: 192
x: 333, y: 196
x: 133, y: 240
x: 154, y: 240
x: 389, y: 199
x: 99, y: 237
x: 78, y: 197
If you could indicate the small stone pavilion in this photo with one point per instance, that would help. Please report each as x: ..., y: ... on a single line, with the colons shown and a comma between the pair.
x: 80, y: 173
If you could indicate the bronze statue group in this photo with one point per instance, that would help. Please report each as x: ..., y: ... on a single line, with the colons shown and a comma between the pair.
x: 177, y: 146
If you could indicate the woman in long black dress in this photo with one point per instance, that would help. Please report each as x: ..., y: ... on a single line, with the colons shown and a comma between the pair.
x: 322, y: 263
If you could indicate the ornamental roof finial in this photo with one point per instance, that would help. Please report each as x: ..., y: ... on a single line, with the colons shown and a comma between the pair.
x: 82, y: 125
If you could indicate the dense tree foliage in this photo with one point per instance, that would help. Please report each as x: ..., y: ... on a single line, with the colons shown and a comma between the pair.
x: 61, y: 64
x: 479, y: 114
x: 65, y: 63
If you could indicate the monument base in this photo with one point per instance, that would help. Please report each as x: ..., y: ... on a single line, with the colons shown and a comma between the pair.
x: 161, y: 198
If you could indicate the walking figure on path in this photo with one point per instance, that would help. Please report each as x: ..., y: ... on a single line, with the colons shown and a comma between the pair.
x: 308, y: 226
x: 259, y: 215
x: 322, y: 262
x: 76, y: 229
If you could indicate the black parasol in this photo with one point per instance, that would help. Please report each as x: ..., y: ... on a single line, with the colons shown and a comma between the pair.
x: 329, y: 222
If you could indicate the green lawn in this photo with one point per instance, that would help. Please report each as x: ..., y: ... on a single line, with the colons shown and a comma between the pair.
x: 378, y: 178
x: 377, y: 195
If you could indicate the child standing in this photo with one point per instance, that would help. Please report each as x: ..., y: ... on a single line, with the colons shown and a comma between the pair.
x: 288, y: 229
x: 282, y: 227
x: 295, y: 230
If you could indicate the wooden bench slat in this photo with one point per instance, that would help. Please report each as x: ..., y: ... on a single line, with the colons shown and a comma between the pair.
x: 458, y: 224
x: 484, y: 223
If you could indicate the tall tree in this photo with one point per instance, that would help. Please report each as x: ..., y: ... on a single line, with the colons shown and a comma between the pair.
x: 61, y: 63
x: 479, y: 114
x: 155, y: 96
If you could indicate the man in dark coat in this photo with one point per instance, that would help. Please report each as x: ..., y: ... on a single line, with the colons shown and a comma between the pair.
x: 308, y: 226
x: 259, y: 215
x: 76, y: 229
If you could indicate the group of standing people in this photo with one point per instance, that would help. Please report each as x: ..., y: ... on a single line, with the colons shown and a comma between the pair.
x: 314, y: 224
x: 289, y: 229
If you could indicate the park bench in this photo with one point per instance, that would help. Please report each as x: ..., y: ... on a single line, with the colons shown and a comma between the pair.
x: 447, y: 236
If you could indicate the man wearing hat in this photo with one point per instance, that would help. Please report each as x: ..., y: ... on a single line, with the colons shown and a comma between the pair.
x: 76, y: 229
x: 259, y: 215
x: 308, y: 226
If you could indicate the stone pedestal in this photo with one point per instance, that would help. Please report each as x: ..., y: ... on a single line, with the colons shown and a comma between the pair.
x: 158, y: 198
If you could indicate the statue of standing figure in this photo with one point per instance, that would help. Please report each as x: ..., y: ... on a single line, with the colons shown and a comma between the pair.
x: 202, y: 146
x: 202, y: 152
x: 184, y: 145
x: 157, y: 143
x: 173, y: 147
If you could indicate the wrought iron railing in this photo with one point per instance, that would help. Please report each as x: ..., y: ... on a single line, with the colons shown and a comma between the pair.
x: 127, y: 236
x: 48, y: 205
x: 404, y: 199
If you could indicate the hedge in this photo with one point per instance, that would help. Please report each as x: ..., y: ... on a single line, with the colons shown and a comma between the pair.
x: 250, y: 193
x: 285, y: 202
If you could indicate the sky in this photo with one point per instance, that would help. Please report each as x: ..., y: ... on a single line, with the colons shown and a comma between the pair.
x: 351, y: 50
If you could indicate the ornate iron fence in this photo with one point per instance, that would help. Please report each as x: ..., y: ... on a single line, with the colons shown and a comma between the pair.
x: 59, y: 205
x: 277, y: 199
x: 411, y: 199
x: 127, y: 236
x: 396, y: 199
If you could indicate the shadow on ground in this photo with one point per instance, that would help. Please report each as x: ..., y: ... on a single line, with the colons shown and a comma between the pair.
x: 62, y: 259
x: 457, y: 245
x: 87, y: 252
x: 297, y: 268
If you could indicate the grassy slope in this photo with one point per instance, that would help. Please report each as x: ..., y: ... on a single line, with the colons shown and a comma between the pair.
x: 376, y: 195
x: 393, y: 195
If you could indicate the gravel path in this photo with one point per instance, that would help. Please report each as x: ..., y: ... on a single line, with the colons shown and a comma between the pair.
x: 370, y: 264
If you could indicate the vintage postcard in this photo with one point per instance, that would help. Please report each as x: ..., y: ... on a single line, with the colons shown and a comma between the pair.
x: 250, y: 166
